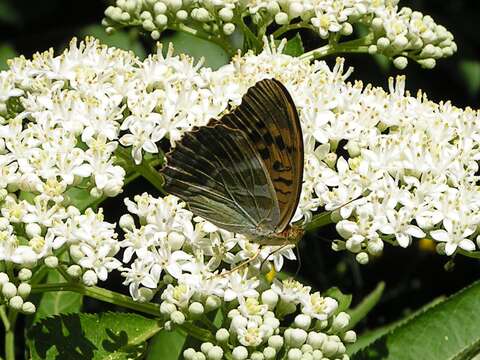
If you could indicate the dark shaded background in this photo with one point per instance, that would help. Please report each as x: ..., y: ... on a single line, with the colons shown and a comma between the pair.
x: 413, y: 276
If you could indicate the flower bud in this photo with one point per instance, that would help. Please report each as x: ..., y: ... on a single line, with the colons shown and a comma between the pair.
x: 33, y: 230
x: 51, y: 261
x: 275, y: 341
x: 196, y: 309
x: 256, y: 355
x: 23, y: 275
x: 270, y: 298
x: 340, y: 322
x: 159, y: 8
x: 315, y: 339
x: 294, y: 354
x: 269, y: 353
x: 177, y: 317
x: 189, y: 353
x: 212, y: 303
x: 281, y: 18
x: 206, y: 347
x: 181, y: 15
x: 28, y: 308
x: 200, y: 14
x: 240, y: 353
x: 75, y: 271
x: 228, y: 28
x: 161, y: 20
x: 16, y: 302
x: 362, y: 258
x: 350, y: 336
x: 400, y: 62
x: 24, y: 290
x: 126, y: 222
x: 4, y: 278
x: 89, y: 278
x: 225, y: 14
x: 215, y: 353
x: 303, y: 321
x: 167, y: 308
x: 222, y: 335
x: 9, y: 290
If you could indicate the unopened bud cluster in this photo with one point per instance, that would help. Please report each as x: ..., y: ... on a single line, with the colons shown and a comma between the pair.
x: 398, y: 33
x: 15, y: 295
x: 255, y: 326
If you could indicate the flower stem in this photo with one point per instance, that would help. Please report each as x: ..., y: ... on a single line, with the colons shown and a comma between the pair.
x: 222, y: 42
x: 9, y: 324
x: 101, y: 294
x: 354, y: 46
x: 319, y: 221
x: 471, y: 254
x: 282, y: 30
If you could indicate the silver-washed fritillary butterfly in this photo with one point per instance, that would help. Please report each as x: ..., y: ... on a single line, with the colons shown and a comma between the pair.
x: 243, y: 172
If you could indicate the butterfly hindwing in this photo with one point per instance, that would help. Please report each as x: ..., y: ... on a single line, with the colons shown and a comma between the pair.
x: 219, y: 174
x: 267, y: 115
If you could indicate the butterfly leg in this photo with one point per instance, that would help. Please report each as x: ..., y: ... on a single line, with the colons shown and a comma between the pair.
x: 243, y: 264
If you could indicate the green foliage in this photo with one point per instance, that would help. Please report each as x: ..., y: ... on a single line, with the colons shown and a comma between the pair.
x: 57, y: 302
x: 198, y: 48
x: 91, y: 336
x: 6, y: 52
x: 167, y: 345
x: 470, y: 71
x: 367, y: 304
x: 122, y: 40
x: 447, y: 330
x: 344, y: 300
x: 294, y: 46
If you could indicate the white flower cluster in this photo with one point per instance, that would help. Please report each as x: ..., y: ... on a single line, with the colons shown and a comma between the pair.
x: 395, y: 32
x: 63, y: 117
x: 58, y: 123
x: 189, y: 262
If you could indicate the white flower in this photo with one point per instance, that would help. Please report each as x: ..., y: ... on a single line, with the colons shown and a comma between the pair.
x: 319, y: 307
x: 454, y: 235
x: 240, y: 286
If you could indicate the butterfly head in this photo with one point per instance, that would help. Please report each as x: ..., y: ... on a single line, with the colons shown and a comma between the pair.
x: 291, y: 235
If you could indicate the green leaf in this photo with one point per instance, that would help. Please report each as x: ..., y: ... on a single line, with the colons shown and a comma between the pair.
x: 344, y: 300
x: 57, y: 302
x: 294, y: 46
x: 80, y: 198
x: 91, y: 336
x: 6, y: 52
x: 446, y: 331
x: 369, y: 337
x: 367, y: 304
x: 197, y: 48
x: 119, y: 39
x: 8, y: 14
x: 166, y: 345
x: 470, y: 71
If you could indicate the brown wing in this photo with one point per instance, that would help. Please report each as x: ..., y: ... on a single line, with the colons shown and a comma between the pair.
x: 219, y: 174
x: 269, y: 117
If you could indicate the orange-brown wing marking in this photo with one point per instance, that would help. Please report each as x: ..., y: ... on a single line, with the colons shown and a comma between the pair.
x: 269, y: 118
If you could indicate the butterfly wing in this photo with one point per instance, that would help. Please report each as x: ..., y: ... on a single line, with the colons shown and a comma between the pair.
x: 268, y: 116
x: 220, y: 175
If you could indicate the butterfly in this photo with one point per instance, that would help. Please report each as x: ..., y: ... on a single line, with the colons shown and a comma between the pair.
x: 244, y: 171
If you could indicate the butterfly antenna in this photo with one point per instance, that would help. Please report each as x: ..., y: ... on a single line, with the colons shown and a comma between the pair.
x: 299, y: 266
x: 242, y: 265
x: 272, y: 253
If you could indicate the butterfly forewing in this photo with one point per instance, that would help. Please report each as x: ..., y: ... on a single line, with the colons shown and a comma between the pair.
x: 219, y: 174
x: 267, y: 115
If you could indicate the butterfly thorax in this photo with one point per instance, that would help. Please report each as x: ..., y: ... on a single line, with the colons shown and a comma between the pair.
x: 290, y: 235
